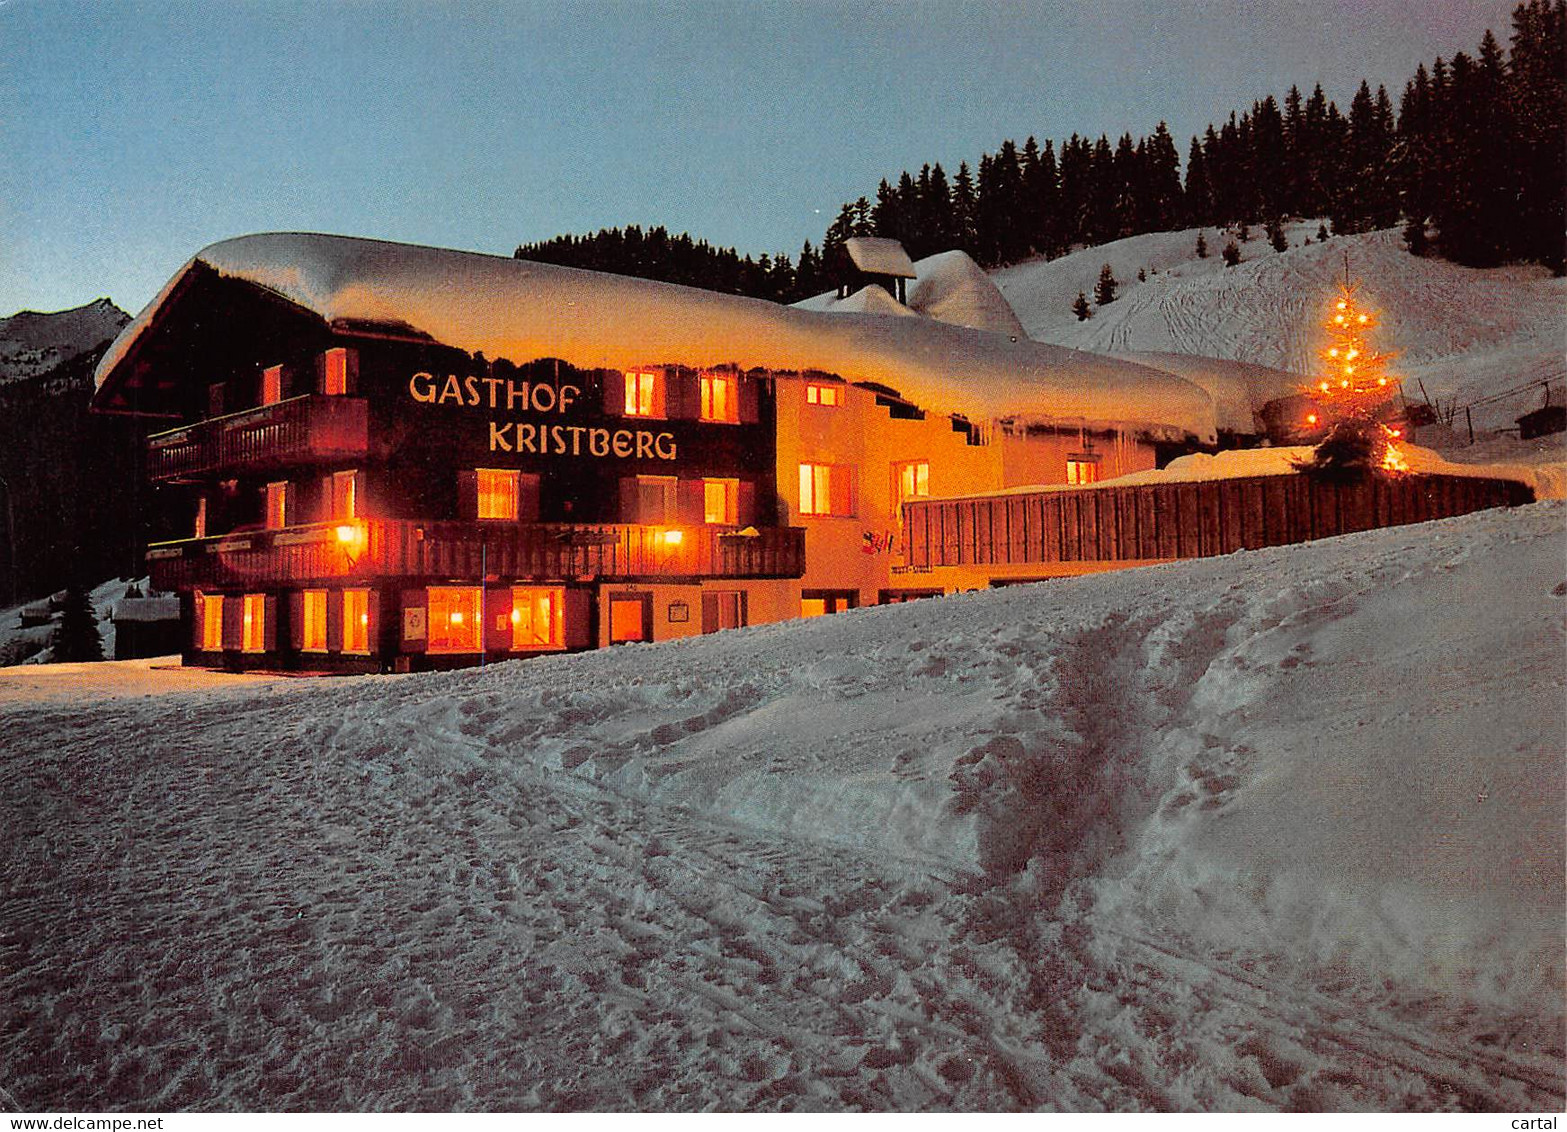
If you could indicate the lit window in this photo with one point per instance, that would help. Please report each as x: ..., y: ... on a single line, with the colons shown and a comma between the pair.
x: 211, y: 609
x: 643, y: 397
x: 343, y: 489
x: 254, y: 638
x: 1082, y: 469
x: 824, y: 490
x: 334, y: 372
x: 813, y: 607
x: 628, y: 619
x: 497, y: 493
x: 454, y: 621
x: 313, y: 621
x: 271, y: 385
x: 277, y: 506
x: 913, y: 479
x: 537, y: 618
x: 718, y: 398
x: 719, y: 501
x: 820, y: 393
x: 356, y: 621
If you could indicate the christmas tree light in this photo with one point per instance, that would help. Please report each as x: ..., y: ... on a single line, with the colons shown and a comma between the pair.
x: 1351, y: 392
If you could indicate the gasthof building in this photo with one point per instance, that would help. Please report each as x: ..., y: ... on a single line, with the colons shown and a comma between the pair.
x: 386, y: 457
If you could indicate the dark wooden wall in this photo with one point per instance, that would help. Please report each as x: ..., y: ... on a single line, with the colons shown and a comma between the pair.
x: 1181, y: 520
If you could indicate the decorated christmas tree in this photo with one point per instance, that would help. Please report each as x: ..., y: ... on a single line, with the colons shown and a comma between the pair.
x: 1352, y: 394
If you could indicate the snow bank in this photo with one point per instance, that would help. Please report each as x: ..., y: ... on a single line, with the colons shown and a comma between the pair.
x: 519, y: 309
x: 951, y: 287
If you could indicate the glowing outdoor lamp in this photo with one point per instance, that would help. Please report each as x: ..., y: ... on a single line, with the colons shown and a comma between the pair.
x: 674, y: 538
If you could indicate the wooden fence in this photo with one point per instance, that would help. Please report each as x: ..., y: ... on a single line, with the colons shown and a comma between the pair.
x: 1181, y: 520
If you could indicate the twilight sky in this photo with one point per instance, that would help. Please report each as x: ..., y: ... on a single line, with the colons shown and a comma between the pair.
x: 134, y: 133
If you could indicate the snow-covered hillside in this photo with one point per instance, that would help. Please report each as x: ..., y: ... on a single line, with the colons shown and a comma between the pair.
x: 1275, y: 831
x: 32, y: 343
x: 1465, y: 333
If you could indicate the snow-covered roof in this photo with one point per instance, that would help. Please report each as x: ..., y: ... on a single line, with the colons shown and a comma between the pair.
x: 1239, y: 389
x: 877, y: 255
x: 517, y: 309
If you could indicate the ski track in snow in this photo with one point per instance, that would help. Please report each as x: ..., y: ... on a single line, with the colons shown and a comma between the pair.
x: 909, y: 858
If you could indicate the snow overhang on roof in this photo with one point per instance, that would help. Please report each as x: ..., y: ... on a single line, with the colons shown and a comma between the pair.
x: 877, y: 255
x: 520, y: 310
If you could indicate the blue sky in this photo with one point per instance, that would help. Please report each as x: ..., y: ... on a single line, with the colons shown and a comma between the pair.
x: 133, y: 134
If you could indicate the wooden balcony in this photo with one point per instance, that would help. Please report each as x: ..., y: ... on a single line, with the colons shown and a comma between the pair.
x: 404, y: 548
x: 301, y: 430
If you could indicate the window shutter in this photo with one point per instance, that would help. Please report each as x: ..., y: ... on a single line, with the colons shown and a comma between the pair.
x: 841, y: 489
x: 685, y: 395
x: 468, y: 494
x: 614, y: 393
x: 630, y: 500
x: 690, y: 501
x: 745, y: 609
x: 745, y: 504
x: 709, y: 613
x: 750, y: 399
x: 233, y: 621
x: 527, y: 498
x: 334, y: 620
x: 296, y: 619
x: 578, y: 618
x: 373, y: 627
x: 269, y: 628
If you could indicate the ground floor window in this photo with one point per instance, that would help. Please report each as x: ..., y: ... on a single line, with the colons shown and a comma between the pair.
x: 816, y: 603
x: 723, y: 609
x: 1082, y: 468
x: 312, y: 636
x: 356, y: 621
x: 254, y: 620
x: 209, y: 610
x: 538, y: 618
x: 454, y: 620
x: 896, y: 597
x: 630, y: 618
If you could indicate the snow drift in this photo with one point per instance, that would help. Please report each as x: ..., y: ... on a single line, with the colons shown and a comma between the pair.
x: 1279, y: 830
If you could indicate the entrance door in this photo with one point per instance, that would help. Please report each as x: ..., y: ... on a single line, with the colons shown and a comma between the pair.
x: 630, y: 618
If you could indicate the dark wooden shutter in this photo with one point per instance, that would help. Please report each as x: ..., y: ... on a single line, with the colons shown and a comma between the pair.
x: 468, y: 494
x: 709, y: 613
x: 690, y: 501
x: 745, y: 504
x: 527, y: 498
x: 269, y: 623
x: 630, y: 500
x: 614, y: 393
x: 841, y: 488
x: 750, y: 399
x: 233, y: 621
x: 296, y: 619
x: 578, y: 619
x: 682, y: 394
x: 334, y: 620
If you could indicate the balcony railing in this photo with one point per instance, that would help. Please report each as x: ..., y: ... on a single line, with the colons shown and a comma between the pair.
x: 300, y: 430
x: 411, y: 549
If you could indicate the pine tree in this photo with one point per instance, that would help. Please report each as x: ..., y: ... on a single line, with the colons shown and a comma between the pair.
x: 1081, y: 308
x: 76, y: 638
x: 1276, y: 237
x: 964, y: 205
x: 1104, y: 289
x: 1202, y: 246
x: 1353, y: 391
x: 1231, y: 254
x: 1537, y: 90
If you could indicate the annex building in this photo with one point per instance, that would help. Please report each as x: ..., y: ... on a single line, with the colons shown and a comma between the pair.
x: 384, y: 457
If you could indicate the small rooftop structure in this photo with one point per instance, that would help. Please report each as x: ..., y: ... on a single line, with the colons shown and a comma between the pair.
x: 875, y: 260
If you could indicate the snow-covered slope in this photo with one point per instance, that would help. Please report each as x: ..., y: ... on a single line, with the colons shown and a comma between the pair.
x: 1463, y: 332
x: 1280, y: 830
x: 32, y: 343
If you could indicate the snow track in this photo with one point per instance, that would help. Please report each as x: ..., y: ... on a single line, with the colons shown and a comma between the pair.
x: 991, y: 852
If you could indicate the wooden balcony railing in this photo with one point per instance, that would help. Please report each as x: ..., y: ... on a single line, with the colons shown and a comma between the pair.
x: 300, y: 430
x: 411, y: 549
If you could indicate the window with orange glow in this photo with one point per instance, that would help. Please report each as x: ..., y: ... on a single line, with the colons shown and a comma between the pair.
x: 719, y: 402
x: 454, y: 621
x: 720, y: 501
x: 271, y: 385
x: 820, y: 393
x: 277, y: 506
x: 334, y: 372
x: 1082, y: 469
x: 497, y: 493
x: 538, y: 618
x: 356, y: 621
x: 824, y: 490
x: 210, y: 609
x: 644, y: 394
x: 312, y: 637
x: 254, y: 621
x: 813, y: 607
x: 628, y: 619
x: 912, y: 479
